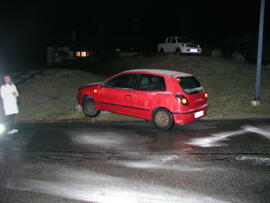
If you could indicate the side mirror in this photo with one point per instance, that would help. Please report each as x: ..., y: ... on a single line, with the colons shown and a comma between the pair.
x: 104, y: 85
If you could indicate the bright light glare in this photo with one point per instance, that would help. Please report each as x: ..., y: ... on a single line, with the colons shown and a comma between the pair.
x: 184, y: 101
x: 83, y: 54
x: 2, y: 128
x: 78, y: 53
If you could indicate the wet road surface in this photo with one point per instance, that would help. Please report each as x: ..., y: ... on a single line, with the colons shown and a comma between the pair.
x: 205, y: 161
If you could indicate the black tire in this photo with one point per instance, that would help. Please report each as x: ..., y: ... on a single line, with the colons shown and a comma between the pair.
x: 178, y: 52
x: 163, y: 119
x: 89, y: 108
x: 161, y: 52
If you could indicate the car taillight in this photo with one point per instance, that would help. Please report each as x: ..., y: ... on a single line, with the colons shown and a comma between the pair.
x: 205, y: 95
x: 182, y: 99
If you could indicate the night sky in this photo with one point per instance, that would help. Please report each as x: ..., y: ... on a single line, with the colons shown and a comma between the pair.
x: 26, y: 28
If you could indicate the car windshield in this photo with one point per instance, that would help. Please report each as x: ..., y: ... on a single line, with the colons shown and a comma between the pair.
x: 190, y: 84
x: 183, y: 40
x: 125, y: 81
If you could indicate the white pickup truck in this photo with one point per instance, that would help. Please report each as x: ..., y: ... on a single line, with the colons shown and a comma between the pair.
x: 179, y: 45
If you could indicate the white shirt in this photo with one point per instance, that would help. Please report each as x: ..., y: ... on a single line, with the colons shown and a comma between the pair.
x: 9, y: 100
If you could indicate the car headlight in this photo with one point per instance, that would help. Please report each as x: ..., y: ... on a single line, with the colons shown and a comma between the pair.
x: 2, y: 128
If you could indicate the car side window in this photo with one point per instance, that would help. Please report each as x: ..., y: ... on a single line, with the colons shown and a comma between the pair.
x: 126, y: 81
x: 173, y: 40
x: 169, y: 40
x: 151, y: 83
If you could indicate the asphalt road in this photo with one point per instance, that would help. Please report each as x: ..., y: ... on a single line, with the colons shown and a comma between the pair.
x: 205, y: 161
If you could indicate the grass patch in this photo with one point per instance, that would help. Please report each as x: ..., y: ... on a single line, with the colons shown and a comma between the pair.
x: 230, y: 84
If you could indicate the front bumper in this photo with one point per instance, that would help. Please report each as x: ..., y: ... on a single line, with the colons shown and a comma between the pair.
x: 191, y: 50
x: 79, y: 98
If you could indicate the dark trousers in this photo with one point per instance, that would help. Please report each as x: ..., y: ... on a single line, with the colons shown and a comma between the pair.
x: 10, y: 121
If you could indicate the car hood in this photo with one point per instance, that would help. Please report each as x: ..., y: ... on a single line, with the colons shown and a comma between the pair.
x: 92, y: 85
x: 191, y: 44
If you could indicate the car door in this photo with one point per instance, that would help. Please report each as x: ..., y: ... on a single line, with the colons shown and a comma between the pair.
x: 167, y: 45
x: 149, y: 88
x: 173, y: 46
x: 116, y: 93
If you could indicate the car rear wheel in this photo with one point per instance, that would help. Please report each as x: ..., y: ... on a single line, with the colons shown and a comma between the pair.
x: 89, y: 108
x: 163, y: 119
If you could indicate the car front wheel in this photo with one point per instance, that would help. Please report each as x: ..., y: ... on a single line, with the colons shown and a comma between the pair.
x: 89, y: 108
x: 163, y: 119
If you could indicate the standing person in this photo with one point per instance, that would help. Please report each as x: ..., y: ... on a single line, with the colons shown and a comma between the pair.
x: 9, y: 96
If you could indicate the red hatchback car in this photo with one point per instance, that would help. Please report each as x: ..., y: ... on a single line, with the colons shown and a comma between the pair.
x: 163, y: 96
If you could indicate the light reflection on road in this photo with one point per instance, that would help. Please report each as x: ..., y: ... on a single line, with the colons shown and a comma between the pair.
x: 183, y: 153
x: 91, y: 186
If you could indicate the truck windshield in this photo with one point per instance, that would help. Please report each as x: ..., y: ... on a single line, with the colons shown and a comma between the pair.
x: 183, y: 40
x: 190, y: 84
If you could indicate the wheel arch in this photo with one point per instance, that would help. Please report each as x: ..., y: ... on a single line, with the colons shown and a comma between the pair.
x: 85, y: 104
x: 178, y: 49
x: 171, y: 121
x: 87, y: 97
x: 158, y: 108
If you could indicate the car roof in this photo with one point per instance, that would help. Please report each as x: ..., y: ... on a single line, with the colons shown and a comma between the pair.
x: 162, y: 72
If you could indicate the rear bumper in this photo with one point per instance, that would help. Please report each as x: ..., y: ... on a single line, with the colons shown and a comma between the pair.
x: 183, y: 118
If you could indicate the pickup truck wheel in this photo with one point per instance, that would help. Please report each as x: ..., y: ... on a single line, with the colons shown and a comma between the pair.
x: 161, y: 52
x: 163, y: 119
x: 89, y: 108
x: 178, y: 52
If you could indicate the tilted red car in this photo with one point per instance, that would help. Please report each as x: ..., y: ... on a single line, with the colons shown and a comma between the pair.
x: 163, y: 96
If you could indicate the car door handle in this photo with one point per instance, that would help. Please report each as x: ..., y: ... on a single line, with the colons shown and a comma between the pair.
x: 128, y: 95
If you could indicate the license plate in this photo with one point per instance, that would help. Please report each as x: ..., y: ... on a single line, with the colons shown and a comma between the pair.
x: 193, y: 50
x: 198, y: 114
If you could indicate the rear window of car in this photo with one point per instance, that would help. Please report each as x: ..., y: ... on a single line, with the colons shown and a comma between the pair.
x: 190, y: 85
